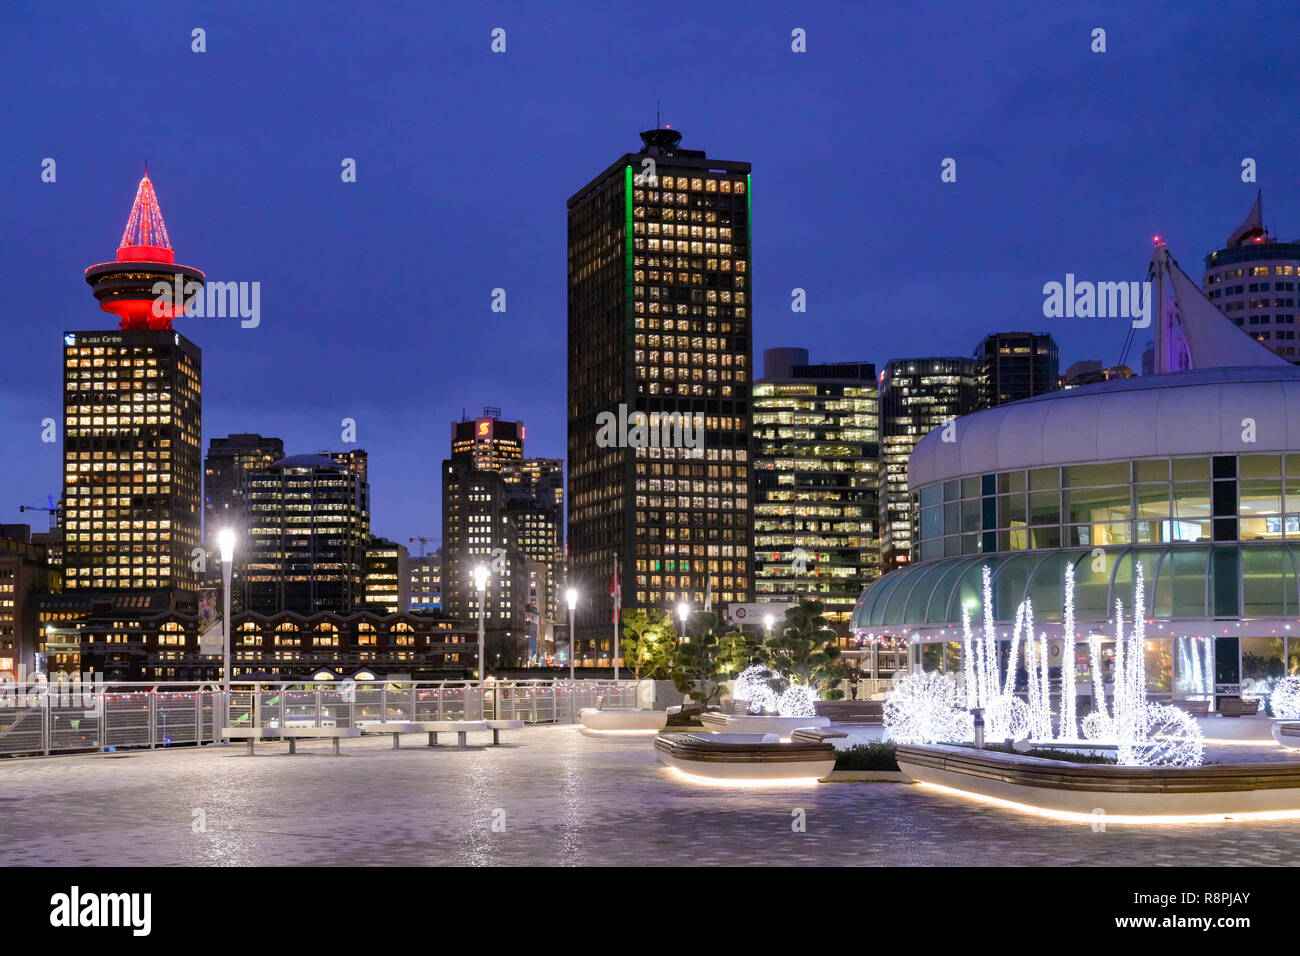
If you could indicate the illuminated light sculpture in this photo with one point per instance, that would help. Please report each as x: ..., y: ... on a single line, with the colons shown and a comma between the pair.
x: 1285, y: 701
x: 1163, y: 736
x: 1008, y: 717
x: 752, y: 686
x: 1097, y: 726
x: 797, y: 701
x: 1069, y: 723
x: 923, y: 709
x: 1009, y: 687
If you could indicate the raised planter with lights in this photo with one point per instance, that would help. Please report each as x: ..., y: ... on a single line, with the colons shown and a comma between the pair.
x: 622, y: 720
x: 742, y: 759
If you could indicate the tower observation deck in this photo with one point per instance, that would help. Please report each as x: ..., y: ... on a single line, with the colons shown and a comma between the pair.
x: 126, y: 286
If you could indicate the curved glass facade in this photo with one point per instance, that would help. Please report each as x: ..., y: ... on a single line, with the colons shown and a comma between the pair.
x: 1148, y: 501
x: 1188, y: 582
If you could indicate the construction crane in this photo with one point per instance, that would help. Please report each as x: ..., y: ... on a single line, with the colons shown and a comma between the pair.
x: 423, y: 542
x: 53, y: 509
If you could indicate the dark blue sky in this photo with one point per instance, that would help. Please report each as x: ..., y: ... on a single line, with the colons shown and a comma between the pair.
x: 376, y: 295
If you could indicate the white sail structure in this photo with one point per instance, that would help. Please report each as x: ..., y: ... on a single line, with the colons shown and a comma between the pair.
x: 1192, y: 333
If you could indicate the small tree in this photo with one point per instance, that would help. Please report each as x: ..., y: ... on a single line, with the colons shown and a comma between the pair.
x: 649, y: 640
x: 736, y: 651
x: 804, y: 653
x: 696, y: 669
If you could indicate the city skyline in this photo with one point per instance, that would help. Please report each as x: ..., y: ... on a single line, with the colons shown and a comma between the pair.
x: 249, y: 209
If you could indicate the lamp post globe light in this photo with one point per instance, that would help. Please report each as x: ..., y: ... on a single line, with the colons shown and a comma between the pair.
x: 226, y: 544
x: 572, y: 597
x: 480, y: 585
x: 683, y: 612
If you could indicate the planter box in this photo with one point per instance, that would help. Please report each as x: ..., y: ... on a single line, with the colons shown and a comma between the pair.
x: 1124, y: 792
x: 866, y: 776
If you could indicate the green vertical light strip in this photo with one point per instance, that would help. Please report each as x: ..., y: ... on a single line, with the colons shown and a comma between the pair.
x: 749, y: 235
x: 627, y: 245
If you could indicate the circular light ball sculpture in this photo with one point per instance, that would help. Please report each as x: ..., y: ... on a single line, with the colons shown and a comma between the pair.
x: 1285, y: 700
x: 797, y: 701
x: 1166, y: 737
x: 751, y: 685
x: 921, y: 709
x: 1097, y: 726
x: 1007, y: 716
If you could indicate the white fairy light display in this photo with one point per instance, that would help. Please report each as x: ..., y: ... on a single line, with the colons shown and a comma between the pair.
x: 922, y: 709
x: 797, y: 701
x: 1008, y: 716
x: 1285, y: 700
x: 1164, y: 736
x: 1069, y: 725
x: 751, y: 685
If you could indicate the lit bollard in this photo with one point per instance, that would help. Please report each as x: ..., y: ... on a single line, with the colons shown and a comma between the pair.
x: 979, y: 728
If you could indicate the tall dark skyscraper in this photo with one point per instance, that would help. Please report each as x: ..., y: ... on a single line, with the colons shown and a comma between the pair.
x: 308, y: 520
x: 916, y: 397
x: 131, y: 425
x: 229, y: 462
x: 659, y: 325
x: 1010, y: 366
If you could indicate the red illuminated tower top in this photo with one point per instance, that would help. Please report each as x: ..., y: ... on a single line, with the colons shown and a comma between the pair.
x: 129, y: 291
x: 145, y: 238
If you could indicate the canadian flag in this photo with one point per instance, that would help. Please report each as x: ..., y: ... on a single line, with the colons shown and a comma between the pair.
x: 616, y: 590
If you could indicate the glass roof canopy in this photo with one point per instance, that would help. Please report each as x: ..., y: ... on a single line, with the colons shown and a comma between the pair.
x: 1195, y: 581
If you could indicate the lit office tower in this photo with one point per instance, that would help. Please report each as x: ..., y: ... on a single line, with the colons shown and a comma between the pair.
x: 388, y: 582
x: 1010, y: 366
x: 229, y: 462
x: 816, y: 481
x: 478, y: 531
x: 308, y: 520
x: 535, y: 501
x: 659, y: 329
x: 491, y: 443
x: 1253, y: 282
x: 916, y: 396
x: 425, y: 572
x: 131, y: 423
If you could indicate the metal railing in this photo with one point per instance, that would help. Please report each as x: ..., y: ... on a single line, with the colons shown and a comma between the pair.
x: 46, y: 718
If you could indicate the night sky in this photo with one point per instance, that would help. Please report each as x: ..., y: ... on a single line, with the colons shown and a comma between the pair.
x: 376, y: 295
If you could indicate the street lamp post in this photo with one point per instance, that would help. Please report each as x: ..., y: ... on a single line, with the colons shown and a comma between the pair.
x: 683, y: 612
x: 768, y: 621
x: 572, y: 597
x: 226, y: 543
x: 480, y: 585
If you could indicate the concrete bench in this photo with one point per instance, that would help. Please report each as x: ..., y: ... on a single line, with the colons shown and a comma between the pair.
x: 333, y: 734
x: 496, y: 726
x: 458, y: 727
x: 1236, y: 707
x: 250, y: 734
x: 394, y: 728
x: 1287, y: 734
x: 814, y: 735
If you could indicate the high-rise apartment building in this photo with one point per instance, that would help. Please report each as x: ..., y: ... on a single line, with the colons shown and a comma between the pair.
x: 916, y: 397
x: 1010, y: 366
x: 816, y: 481
x: 131, y: 425
x: 1253, y: 282
x: 308, y: 520
x: 659, y: 331
x: 25, y: 569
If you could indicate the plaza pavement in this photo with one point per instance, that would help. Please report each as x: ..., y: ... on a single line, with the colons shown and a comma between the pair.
x: 564, y: 799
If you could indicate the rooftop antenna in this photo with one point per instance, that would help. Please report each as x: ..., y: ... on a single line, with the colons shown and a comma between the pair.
x: 657, y: 124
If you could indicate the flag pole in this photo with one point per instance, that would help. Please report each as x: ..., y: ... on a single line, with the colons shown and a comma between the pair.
x: 618, y: 600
